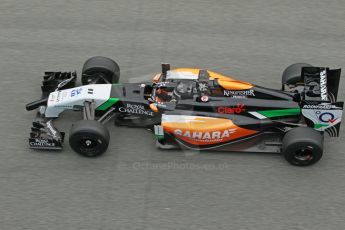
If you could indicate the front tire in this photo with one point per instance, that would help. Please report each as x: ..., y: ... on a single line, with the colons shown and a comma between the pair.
x: 303, y: 146
x: 100, y: 70
x: 89, y: 138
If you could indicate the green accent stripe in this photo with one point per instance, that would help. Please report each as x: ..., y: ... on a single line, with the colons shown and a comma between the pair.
x: 159, y: 137
x: 317, y: 126
x: 280, y: 112
x: 106, y: 105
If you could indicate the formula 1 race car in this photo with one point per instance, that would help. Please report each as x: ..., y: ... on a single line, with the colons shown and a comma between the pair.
x: 194, y: 109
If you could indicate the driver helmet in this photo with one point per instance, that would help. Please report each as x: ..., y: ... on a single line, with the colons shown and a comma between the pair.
x: 184, y: 89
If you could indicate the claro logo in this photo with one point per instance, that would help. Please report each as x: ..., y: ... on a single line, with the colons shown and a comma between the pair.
x: 323, y: 85
x: 205, y: 136
x: 231, y: 110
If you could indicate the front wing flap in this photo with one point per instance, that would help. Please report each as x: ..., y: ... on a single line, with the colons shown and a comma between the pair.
x: 44, y: 135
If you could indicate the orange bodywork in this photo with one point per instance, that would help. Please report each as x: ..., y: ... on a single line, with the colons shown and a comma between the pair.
x: 153, y: 107
x: 225, y: 82
x: 234, y: 84
x: 197, y: 130
x: 157, y: 78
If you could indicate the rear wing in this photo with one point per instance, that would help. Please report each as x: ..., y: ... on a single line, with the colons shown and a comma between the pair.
x: 319, y: 99
x: 320, y: 84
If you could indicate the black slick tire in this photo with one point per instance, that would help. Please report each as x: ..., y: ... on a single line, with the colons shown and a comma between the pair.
x: 100, y: 70
x: 303, y: 146
x: 89, y: 138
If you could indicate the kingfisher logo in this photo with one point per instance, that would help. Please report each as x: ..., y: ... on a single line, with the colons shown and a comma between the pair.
x: 205, y: 136
x: 239, y: 93
x: 327, y: 117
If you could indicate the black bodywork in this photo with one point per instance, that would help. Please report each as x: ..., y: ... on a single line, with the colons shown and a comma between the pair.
x: 137, y: 106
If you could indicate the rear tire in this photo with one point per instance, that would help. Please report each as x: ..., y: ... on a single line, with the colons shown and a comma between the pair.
x: 292, y: 74
x: 100, y: 70
x: 303, y: 146
x: 89, y: 138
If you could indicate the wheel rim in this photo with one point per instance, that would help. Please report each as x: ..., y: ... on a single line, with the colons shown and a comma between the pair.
x: 89, y: 146
x: 303, y: 154
x: 88, y: 143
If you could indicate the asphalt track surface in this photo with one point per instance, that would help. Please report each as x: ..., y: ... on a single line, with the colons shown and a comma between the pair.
x: 134, y: 185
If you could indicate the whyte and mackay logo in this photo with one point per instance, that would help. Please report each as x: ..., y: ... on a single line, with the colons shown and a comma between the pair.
x: 76, y: 92
x: 53, y: 131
